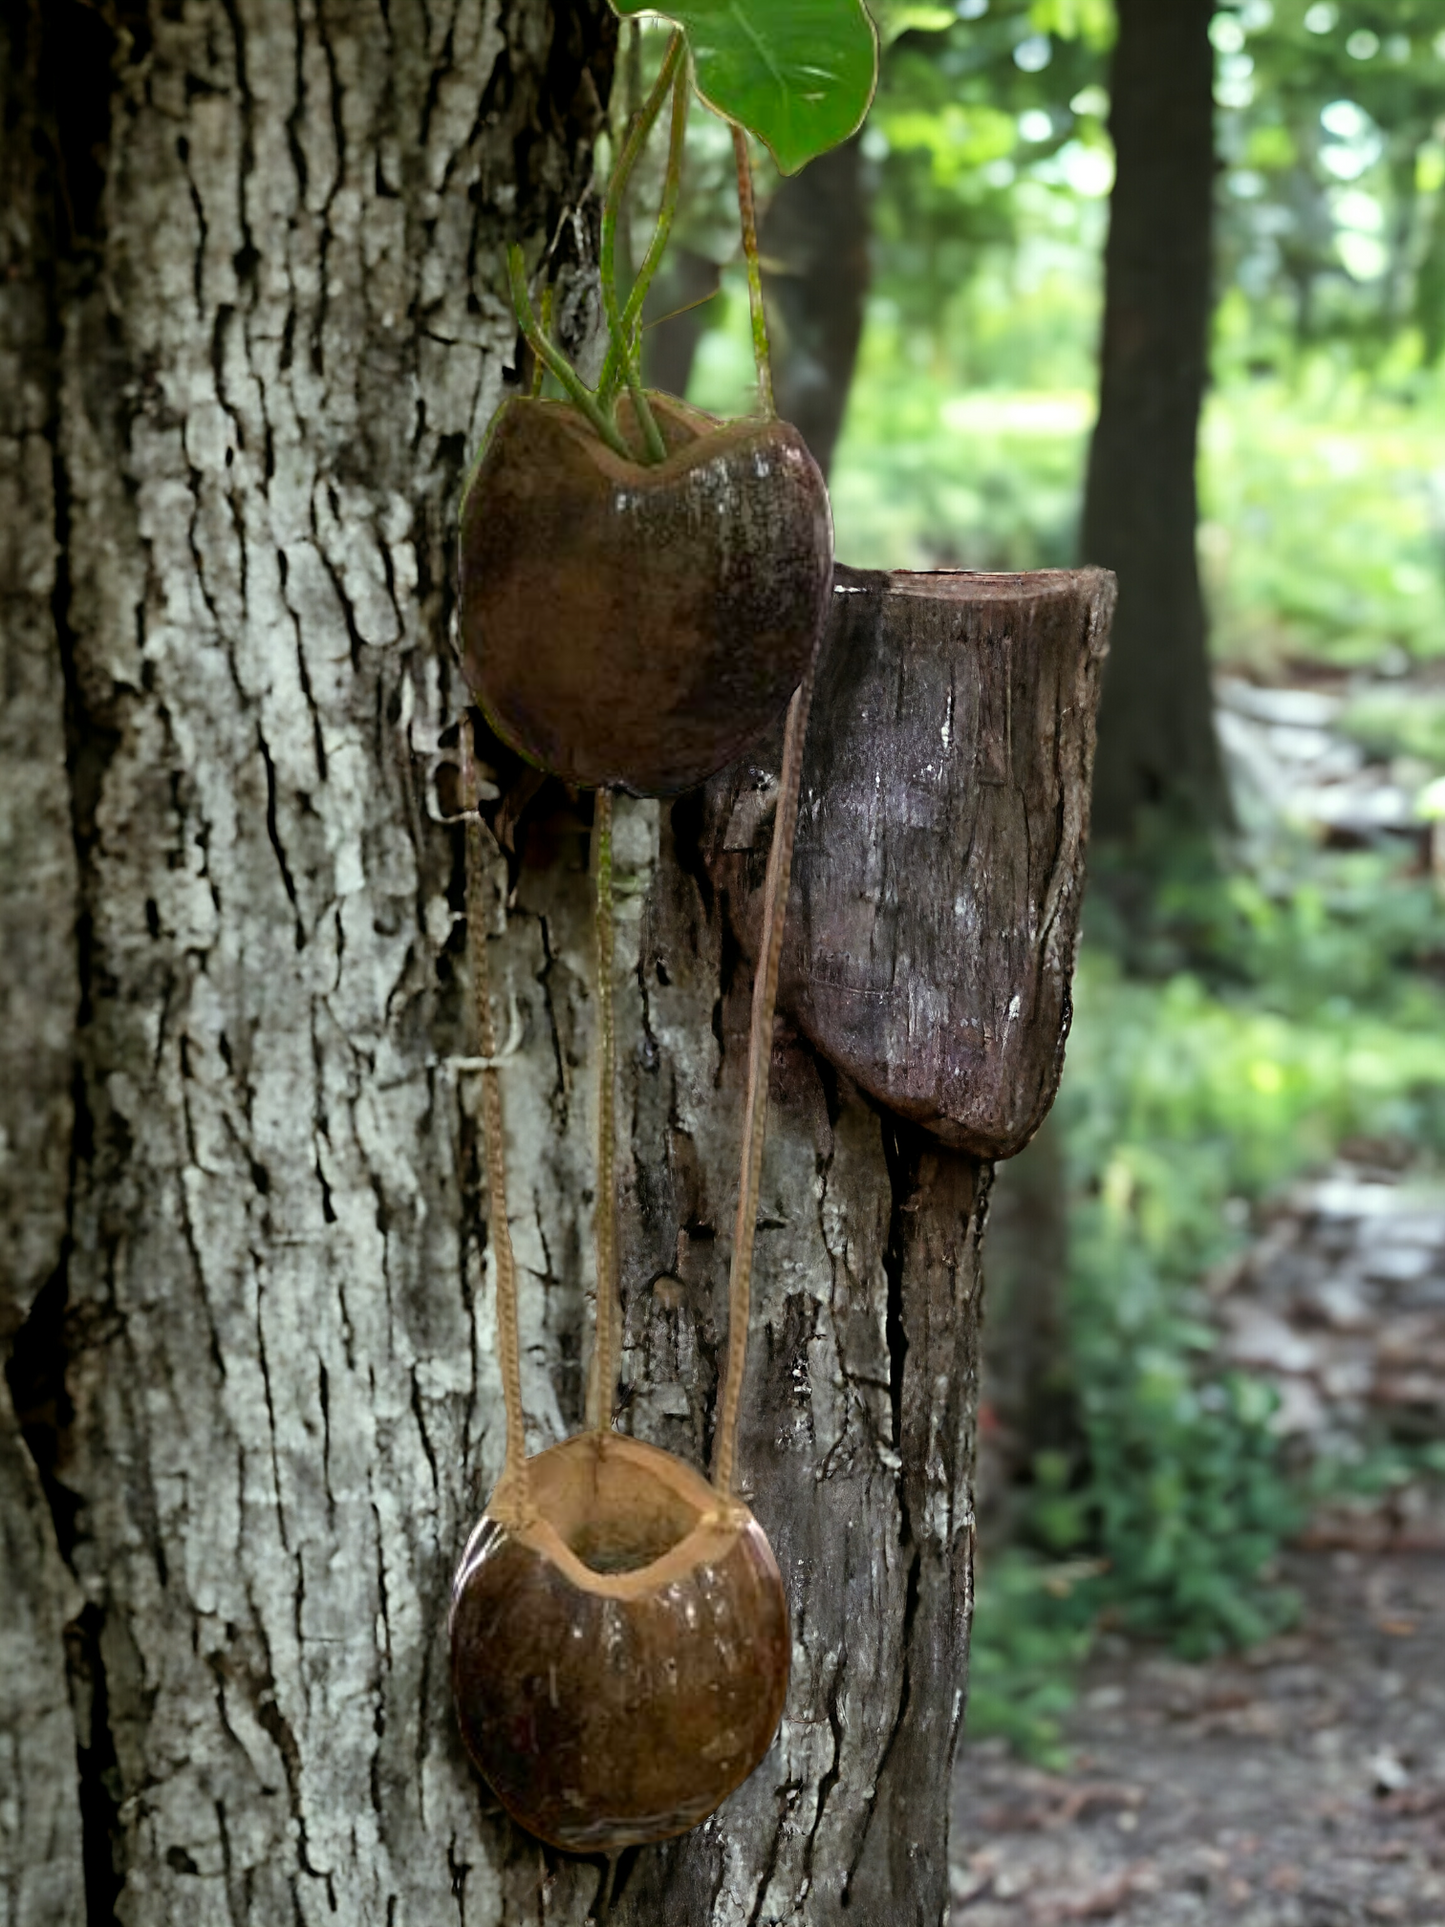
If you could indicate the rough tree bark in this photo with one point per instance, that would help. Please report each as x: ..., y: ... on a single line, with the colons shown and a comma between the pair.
x: 253, y: 312
x: 253, y: 308
x: 1156, y: 729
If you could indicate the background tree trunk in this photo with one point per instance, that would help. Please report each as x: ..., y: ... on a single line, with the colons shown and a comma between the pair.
x: 41, y: 1879
x: 1156, y: 729
x: 814, y: 243
x: 675, y: 315
x: 259, y: 328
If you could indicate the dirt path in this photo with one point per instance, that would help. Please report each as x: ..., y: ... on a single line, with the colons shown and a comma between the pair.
x: 1301, y: 1785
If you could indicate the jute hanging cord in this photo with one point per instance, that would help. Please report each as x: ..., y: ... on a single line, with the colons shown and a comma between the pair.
x: 755, y: 1103
x: 513, y: 1486
x: 604, y: 1369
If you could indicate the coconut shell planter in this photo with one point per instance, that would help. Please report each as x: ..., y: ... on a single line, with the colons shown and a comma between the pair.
x: 639, y: 625
x: 620, y: 1661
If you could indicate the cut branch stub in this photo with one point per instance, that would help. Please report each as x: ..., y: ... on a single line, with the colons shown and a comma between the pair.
x: 637, y: 626
x: 939, y: 865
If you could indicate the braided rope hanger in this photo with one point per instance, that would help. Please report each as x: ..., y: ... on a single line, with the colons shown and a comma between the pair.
x: 513, y: 1483
x: 512, y: 1489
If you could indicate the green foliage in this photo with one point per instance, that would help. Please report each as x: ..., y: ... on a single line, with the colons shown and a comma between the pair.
x: 982, y: 136
x: 1324, y: 501
x: 1192, y: 1503
x: 797, y: 73
x: 1346, y: 938
x: 982, y: 480
x: 1381, y: 1468
x: 1324, y: 507
x: 1033, y: 1625
x: 1334, y: 221
x: 1186, y: 1098
x: 1387, y: 723
x: 1180, y: 1105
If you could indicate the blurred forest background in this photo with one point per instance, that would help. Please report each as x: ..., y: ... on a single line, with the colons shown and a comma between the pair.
x: 1254, y: 1099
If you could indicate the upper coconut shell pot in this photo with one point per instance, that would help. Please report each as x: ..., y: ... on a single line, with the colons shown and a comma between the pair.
x: 637, y: 626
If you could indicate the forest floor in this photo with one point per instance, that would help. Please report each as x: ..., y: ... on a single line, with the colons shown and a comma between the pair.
x: 1298, y: 1785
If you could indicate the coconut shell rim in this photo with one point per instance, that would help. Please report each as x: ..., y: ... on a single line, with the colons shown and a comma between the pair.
x: 712, y: 432
x: 719, y: 1522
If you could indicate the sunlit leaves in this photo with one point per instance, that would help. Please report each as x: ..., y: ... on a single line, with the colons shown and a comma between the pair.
x: 1091, y: 21
x: 895, y: 17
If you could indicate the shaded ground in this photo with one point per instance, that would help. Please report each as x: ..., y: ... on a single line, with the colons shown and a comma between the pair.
x: 1301, y: 1785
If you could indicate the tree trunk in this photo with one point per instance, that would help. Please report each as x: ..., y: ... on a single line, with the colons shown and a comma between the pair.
x: 1430, y: 285
x: 1027, y: 1401
x: 814, y: 243
x: 255, y: 304
x: 41, y: 1876
x: 1156, y: 731
x: 675, y: 317
x: 258, y: 324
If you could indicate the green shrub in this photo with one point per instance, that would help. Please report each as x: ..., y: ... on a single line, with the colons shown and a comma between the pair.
x: 1184, y: 1101
x: 1033, y: 1625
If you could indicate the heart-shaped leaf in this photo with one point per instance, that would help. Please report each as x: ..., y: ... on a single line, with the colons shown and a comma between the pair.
x: 797, y: 73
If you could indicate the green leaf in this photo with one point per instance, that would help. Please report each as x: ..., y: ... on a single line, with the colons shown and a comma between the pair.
x: 797, y: 73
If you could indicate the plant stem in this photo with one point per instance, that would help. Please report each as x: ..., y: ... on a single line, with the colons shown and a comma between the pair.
x: 619, y: 350
x: 539, y: 367
x: 556, y: 362
x: 632, y: 146
x: 747, y: 210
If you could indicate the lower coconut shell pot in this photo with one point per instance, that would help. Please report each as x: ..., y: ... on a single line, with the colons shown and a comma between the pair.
x: 620, y: 1659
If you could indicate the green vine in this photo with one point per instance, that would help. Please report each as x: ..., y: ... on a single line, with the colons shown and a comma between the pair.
x: 623, y: 346
x: 623, y: 365
x: 798, y: 73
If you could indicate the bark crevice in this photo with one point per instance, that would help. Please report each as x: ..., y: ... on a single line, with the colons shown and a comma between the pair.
x: 98, y: 1767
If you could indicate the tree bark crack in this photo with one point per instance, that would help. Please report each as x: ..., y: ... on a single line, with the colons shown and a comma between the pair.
x: 273, y: 831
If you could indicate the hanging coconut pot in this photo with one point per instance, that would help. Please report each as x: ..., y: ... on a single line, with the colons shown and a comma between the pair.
x: 636, y: 624
x: 643, y: 586
x: 620, y: 1658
